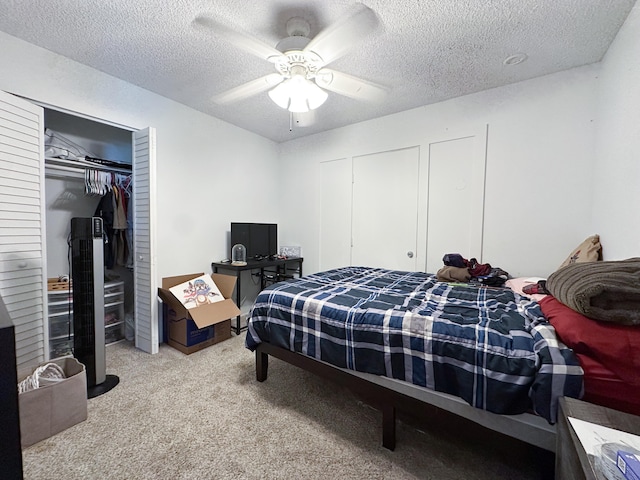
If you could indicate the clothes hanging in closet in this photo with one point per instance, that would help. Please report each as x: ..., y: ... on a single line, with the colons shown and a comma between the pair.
x: 120, y: 245
x: 106, y: 212
x: 112, y: 208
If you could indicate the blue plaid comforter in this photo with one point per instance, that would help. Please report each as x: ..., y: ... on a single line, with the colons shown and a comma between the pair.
x: 489, y: 346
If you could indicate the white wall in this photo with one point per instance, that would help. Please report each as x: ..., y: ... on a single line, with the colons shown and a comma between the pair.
x: 540, y: 157
x: 616, y: 213
x: 561, y: 151
x: 209, y: 172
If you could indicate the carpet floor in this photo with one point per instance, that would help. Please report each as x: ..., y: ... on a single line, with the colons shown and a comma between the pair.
x: 204, y: 416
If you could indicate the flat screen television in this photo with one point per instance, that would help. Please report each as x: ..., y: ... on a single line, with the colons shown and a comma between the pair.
x: 260, y: 239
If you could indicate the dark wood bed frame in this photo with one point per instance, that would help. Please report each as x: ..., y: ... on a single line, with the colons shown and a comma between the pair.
x: 389, y: 395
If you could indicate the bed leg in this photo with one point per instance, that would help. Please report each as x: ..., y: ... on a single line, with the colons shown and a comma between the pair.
x: 389, y: 426
x: 262, y: 365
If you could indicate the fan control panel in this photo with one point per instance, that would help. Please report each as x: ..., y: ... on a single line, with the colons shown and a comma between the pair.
x: 97, y: 227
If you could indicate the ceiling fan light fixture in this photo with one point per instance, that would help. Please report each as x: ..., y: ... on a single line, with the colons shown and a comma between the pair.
x: 280, y: 95
x: 298, y: 105
x: 298, y: 94
x: 315, y: 95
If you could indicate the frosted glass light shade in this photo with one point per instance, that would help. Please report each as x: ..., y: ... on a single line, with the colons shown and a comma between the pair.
x: 280, y: 96
x: 298, y: 95
x: 238, y: 254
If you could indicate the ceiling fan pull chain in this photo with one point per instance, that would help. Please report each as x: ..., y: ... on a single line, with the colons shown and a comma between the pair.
x: 291, y: 121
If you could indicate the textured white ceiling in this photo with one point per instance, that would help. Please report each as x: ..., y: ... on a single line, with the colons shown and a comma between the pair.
x: 425, y: 51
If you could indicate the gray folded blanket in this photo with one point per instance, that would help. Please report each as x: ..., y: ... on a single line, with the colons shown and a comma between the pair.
x: 607, y: 291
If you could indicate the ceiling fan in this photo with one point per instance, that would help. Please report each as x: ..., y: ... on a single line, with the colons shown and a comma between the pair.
x: 301, y: 80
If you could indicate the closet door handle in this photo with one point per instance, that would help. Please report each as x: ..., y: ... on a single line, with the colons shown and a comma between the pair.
x: 410, y: 254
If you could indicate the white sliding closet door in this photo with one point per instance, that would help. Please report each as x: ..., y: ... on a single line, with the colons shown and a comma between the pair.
x: 144, y: 218
x: 385, y: 209
x: 455, y: 215
x: 335, y: 213
x: 23, y: 283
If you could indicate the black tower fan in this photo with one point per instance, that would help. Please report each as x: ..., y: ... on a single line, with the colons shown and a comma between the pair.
x: 87, y: 273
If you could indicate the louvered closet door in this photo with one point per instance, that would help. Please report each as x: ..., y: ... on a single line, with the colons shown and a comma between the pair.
x: 144, y: 218
x: 22, y: 225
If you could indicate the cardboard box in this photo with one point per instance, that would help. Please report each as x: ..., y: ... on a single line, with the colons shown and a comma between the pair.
x: 50, y: 409
x: 184, y: 335
x: 192, y: 329
x: 629, y: 465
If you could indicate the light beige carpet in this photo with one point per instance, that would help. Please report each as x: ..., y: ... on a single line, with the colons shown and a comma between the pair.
x: 204, y: 416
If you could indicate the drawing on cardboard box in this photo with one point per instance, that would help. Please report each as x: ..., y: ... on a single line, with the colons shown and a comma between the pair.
x: 198, y: 291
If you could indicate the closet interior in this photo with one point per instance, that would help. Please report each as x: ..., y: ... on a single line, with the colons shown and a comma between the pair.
x: 87, y: 174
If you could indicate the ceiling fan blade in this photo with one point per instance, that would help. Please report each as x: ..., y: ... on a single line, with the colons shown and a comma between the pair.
x: 243, y: 41
x: 333, y: 42
x: 350, y: 86
x: 249, y: 89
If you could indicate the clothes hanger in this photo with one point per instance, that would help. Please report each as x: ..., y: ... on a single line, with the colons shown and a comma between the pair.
x: 87, y: 185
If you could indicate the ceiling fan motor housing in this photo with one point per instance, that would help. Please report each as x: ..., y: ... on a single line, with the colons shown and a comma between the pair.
x: 293, y: 49
x: 298, y: 26
x: 298, y: 30
x: 292, y: 43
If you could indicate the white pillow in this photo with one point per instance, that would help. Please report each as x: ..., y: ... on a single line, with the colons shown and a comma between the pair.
x: 516, y: 284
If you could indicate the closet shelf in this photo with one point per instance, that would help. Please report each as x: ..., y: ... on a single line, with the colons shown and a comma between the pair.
x: 80, y: 165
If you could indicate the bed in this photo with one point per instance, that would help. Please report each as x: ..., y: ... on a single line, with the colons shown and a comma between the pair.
x: 403, y: 339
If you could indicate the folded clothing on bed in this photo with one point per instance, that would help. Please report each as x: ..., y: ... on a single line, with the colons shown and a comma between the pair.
x: 453, y: 274
x: 606, y: 291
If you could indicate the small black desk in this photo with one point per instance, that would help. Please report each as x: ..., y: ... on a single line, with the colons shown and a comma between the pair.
x: 271, y: 271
